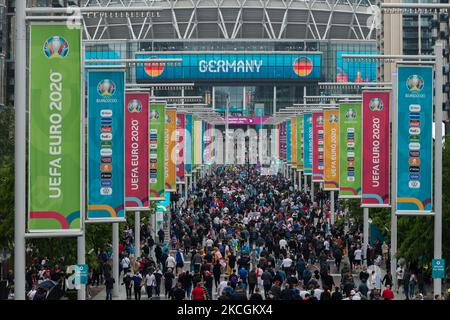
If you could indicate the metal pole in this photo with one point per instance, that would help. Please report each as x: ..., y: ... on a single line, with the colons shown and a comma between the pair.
x: 299, y: 180
x: 332, y: 214
x: 365, y: 234
x: 115, y: 256
x: 437, y: 283
x: 20, y: 106
x: 81, y: 259
x: 137, y: 234
x: 312, y: 190
x: 305, y: 182
x: 393, y: 249
x: 294, y: 172
x: 186, y: 187
x: 226, y: 129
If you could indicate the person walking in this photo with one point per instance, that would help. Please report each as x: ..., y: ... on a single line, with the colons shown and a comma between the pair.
x: 137, y: 284
x: 109, y: 284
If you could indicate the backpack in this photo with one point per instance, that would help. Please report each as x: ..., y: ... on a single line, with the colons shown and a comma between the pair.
x: 41, y: 294
x: 179, y: 260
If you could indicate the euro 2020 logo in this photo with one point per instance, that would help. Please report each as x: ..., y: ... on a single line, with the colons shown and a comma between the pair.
x: 134, y: 106
x: 320, y: 120
x: 333, y: 118
x: 351, y: 114
x: 154, y: 114
x: 56, y: 47
x: 415, y: 83
x: 376, y: 104
x: 106, y: 87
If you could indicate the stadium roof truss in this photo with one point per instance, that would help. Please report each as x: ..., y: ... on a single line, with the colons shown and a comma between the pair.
x: 233, y: 19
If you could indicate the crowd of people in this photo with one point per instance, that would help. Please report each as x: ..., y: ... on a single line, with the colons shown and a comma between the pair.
x: 242, y: 235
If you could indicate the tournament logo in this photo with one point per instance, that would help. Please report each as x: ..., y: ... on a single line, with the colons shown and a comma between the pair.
x: 168, y: 119
x: 154, y: 114
x: 310, y: 120
x: 415, y: 83
x: 333, y: 118
x: 134, y: 106
x: 351, y: 114
x: 56, y: 47
x: 303, y: 66
x: 106, y: 87
x: 320, y: 120
x: 376, y: 104
x: 154, y: 69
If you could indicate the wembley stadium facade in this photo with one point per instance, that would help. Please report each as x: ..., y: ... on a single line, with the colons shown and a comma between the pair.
x: 254, y: 56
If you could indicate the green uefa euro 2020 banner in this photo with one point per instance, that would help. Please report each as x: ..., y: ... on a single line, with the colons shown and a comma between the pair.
x: 350, y: 132
x: 54, y: 128
x: 157, y: 151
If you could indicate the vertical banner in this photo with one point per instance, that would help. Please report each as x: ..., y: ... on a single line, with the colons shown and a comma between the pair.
x: 299, y: 121
x: 318, y: 150
x: 106, y: 147
x: 350, y: 150
x: 294, y: 142
x: 277, y: 142
x: 283, y: 141
x: 414, y: 134
x: 54, y: 164
x: 331, y: 150
x: 288, y: 142
x: 198, y: 143
x: 194, y: 144
x: 157, y: 151
x: 375, y: 149
x: 170, y: 151
x: 307, y: 144
x: 180, y: 147
x: 136, y: 151
x: 188, y: 145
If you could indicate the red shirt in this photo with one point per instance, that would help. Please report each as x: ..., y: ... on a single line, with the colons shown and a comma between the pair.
x: 387, y: 294
x: 198, y: 293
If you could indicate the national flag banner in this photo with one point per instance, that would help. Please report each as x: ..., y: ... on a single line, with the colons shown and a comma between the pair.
x: 157, y: 151
x: 283, y: 141
x: 170, y: 149
x: 188, y: 145
x: 294, y: 142
x: 350, y: 150
x: 299, y: 150
x: 331, y: 149
x: 106, y: 148
x: 136, y: 151
x: 55, y: 130
x: 414, y: 140
x: 198, y: 143
x: 318, y: 148
x: 180, y: 147
x: 376, y: 149
x: 307, y: 144
x: 288, y: 142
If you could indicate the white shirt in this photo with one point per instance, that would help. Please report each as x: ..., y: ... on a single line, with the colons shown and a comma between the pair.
x: 216, y: 220
x: 303, y: 293
x: 283, y: 243
x: 399, y: 273
x: 221, y: 286
x: 326, y: 245
x: 317, y: 293
x: 358, y: 254
x: 125, y: 262
x: 170, y: 262
x: 209, y: 243
x: 150, y: 279
x: 287, y: 263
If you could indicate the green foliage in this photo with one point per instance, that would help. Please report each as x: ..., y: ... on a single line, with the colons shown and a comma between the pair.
x: 6, y: 177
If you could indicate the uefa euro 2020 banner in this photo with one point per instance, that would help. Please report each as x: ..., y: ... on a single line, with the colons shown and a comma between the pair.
x: 180, y: 147
x: 189, y: 123
x: 350, y: 150
x: 106, y: 147
x: 288, y: 142
x: 331, y: 149
x: 299, y: 150
x: 55, y: 128
x: 414, y: 149
x: 294, y: 142
x: 307, y: 144
x: 157, y: 122
x: 136, y: 150
x: 170, y: 149
x: 318, y: 150
x: 375, y: 149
